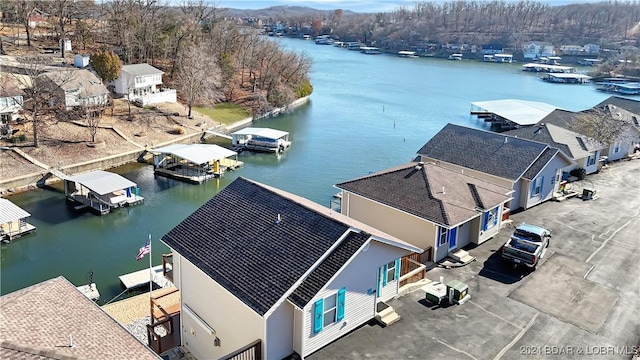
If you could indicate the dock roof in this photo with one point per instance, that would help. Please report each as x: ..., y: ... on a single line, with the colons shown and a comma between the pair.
x: 39, y: 322
x: 258, y: 242
x: 264, y: 132
x: 11, y: 212
x: 434, y: 193
x: 520, y: 112
x: 102, y: 182
x: 196, y: 153
x: 569, y: 76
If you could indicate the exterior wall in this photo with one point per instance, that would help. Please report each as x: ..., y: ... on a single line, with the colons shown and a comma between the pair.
x: 298, y: 326
x: 415, y: 231
x: 280, y: 327
x: 590, y: 169
x: 549, y: 185
x: 120, y: 84
x: 147, y: 81
x: 12, y: 104
x: 516, y: 203
x: 625, y: 148
x: 235, y: 324
x: 159, y: 97
x: 359, y: 277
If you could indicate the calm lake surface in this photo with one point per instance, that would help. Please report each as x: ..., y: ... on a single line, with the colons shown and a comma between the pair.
x: 366, y: 113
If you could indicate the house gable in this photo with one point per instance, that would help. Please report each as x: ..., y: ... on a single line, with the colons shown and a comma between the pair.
x: 496, y: 154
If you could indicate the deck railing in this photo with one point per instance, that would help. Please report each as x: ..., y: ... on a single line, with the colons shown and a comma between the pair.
x: 252, y: 351
x: 413, y: 271
x: 170, y: 339
x: 167, y: 271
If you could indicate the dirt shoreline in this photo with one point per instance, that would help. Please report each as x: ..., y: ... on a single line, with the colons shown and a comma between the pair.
x: 65, y: 145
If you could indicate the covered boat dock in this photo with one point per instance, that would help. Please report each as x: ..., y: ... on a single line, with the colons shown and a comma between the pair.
x: 538, y: 67
x: 13, y: 222
x: 260, y: 139
x: 564, y: 78
x: 511, y: 113
x: 194, y: 163
x: 101, y: 191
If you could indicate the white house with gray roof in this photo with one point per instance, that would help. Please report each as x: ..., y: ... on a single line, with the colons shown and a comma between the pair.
x: 143, y: 83
x: 75, y: 88
x: 262, y: 270
x: 532, y: 169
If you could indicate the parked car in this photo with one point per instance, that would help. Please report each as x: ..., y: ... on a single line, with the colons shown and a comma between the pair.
x: 527, y: 245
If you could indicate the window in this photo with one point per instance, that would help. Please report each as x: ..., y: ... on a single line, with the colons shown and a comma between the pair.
x: 616, y: 147
x: 443, y: 236
x: 537, y: 186
x: 591, y: 160
x: 329, y: 310
x: 391, y: 271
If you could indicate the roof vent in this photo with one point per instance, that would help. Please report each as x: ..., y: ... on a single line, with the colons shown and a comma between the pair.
x: 279, y: 219
x: 506, y: 140
x: 443, y: 192
x: 71, y: 341
x: 419, y: 165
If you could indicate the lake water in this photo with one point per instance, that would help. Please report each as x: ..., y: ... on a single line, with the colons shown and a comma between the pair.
x: 367, y: 113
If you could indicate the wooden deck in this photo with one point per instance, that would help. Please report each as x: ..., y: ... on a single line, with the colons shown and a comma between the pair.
x: 8, y: 234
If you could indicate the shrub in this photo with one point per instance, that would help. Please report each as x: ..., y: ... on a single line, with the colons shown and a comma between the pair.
x: 18, y: 138
x: 178, y: 130
x: 580, y: 173
x: 304, y: 89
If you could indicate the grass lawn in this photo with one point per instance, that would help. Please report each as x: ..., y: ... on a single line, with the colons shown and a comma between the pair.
x: 226, y: 113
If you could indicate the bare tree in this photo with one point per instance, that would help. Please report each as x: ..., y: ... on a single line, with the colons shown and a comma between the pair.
x: 600, y: 125
x: 24, y: 9
x: 93, y: 115
x: 198, y: 78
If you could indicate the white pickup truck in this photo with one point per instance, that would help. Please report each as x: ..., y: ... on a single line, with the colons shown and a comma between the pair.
x: 527, y: 245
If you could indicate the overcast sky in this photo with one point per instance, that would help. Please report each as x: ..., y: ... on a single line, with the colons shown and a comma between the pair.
x: 353, y: 5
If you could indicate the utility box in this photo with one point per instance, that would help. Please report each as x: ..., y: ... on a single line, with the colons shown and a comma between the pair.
x: 459, y: 290
x: 588, y: 193
x: 81, y: 60
x: 435, y: 292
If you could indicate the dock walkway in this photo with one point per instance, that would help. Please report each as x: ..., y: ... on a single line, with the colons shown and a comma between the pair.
x: 141, y: 277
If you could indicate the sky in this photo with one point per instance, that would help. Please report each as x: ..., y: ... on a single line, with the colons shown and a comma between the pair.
x: 353, y: 5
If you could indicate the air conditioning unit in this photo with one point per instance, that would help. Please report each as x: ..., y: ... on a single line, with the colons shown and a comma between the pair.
x: 588, y: 194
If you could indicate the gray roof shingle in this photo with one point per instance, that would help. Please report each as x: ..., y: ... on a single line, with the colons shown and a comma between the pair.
x: 77, y: 79
x: 236, y: 240
x: 140, y: 69
x: 492, y: 153
x: 431, y: 192
x: 37, y: 321
x: 623, y: 103
x: 571, y: 143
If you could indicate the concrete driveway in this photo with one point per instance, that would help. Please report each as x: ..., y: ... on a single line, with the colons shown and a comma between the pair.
x: 583, y: 301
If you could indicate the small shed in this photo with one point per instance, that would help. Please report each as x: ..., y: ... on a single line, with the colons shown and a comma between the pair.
x: 195, y: 163
x: 13, y: 222
x: 81, y: 60
x: 101, y: 191
x: 64, y: 44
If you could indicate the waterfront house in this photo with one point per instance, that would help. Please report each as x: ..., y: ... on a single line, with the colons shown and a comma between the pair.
x: 623, y: 121
x: 101, y: 191
x: 11, y: 100
x: 591, y: 49
x: 437, y: 209
x: 263, y: 270
x: 13, y: 221
x: 492, y: 49
x: 75, y: 88
x: 194, y: 163
x: 143, y: 83
x: 533, y: 170
x: 53, y: 320
x: 584, y: 151
x: 537, y: 49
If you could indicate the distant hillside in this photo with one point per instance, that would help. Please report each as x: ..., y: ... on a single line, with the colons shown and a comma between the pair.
x: 279, y: 11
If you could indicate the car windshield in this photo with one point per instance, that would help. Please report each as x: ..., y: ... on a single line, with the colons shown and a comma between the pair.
x: 527, y: 235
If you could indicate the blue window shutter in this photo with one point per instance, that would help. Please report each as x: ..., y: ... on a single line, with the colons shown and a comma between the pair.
x: 533, y: 187
x: 379, y: 278
x: 397, y: 269
x: 384, y: 276
x: 495, y: 217
x: 341, y: 297
x: 485, y: 221
x: 541, y: 184
x: 318, y: 314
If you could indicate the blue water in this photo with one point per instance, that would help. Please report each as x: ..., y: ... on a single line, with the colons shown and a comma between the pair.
x: 367, y: 113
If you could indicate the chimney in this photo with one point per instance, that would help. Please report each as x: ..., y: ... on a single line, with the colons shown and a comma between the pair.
x: 279, y: 219
x: 443, y: 190
x: 506, y: 139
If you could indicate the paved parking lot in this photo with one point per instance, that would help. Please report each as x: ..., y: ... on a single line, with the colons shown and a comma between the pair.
x: 582, y: 302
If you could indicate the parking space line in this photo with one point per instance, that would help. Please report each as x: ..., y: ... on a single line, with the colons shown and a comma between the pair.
x: 496, y: 315
x: 458, y: 350
x: 515, y: 339
x: 604, y: 243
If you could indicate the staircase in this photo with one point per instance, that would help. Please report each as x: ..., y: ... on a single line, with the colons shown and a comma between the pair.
x: 385, y: 314
x: 461, y: 256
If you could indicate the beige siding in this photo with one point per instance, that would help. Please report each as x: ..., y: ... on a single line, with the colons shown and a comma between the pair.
x: 235, y: 324
x: 359, y: 278
x: 280, y: 325
x: 416, y: 231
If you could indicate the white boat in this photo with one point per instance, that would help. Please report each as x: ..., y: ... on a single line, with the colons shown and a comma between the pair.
x: 370, y: 50
x: 455, y: 57
x: 407, y: 54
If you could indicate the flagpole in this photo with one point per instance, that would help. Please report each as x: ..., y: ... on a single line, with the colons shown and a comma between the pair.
x: 150, y: 268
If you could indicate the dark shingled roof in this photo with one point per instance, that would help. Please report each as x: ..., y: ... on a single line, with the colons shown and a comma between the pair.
x: 418, y: 190
x: 627, y: 104
x: 236, y: 240
x: 483, y: 151
x: 329, y: 267
x: 539, y: 164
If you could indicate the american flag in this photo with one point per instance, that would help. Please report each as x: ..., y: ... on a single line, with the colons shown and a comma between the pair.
x: 144, y: 250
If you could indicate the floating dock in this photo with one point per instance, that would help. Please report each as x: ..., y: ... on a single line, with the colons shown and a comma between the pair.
x: 90, y: 291
x: 140, y: 278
